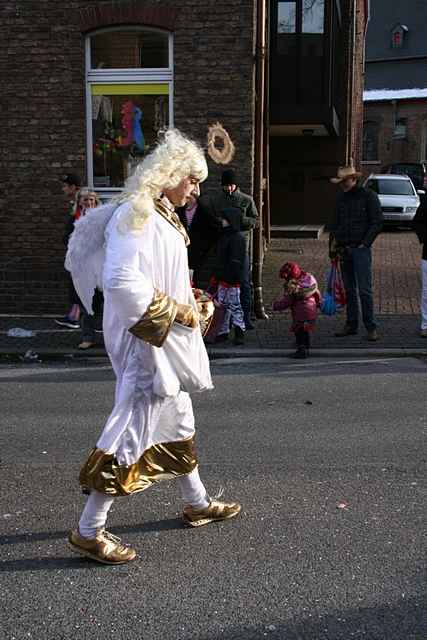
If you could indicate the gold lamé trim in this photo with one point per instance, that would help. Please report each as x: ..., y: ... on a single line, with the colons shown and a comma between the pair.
x: 154, y: 325
x: 160, y: 462
x: 173, y: 219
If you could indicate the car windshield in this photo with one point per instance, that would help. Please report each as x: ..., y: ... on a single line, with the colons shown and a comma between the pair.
x: 390, y: 187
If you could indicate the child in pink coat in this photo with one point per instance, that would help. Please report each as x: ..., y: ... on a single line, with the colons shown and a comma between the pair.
x: 300, y: 295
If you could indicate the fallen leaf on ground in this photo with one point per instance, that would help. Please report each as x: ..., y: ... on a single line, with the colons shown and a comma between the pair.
x: 342, y: 505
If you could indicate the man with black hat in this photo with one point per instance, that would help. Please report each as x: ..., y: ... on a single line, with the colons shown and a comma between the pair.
x: 231, y: 197
x: 358, y: 221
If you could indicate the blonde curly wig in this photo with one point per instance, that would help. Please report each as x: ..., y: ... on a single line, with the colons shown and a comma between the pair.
x: 174, y: 158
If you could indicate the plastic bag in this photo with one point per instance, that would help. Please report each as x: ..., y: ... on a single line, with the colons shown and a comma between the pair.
x: 334, y: 298
x: 17, y: 332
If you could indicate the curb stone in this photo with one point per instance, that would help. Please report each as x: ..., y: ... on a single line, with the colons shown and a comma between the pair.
x: 224, y: 354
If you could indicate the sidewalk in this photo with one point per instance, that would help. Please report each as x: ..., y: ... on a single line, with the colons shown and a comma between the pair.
x: 397, y: 284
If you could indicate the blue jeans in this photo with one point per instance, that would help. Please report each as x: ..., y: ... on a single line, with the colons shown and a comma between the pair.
x: 356, y: 267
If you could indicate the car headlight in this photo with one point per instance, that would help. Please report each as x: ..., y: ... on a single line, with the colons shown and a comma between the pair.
x: 411, y: 210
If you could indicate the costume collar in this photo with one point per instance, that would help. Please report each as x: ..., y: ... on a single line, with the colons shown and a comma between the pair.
x: 166, y: 209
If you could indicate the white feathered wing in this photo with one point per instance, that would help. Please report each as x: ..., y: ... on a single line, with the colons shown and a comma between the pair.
x: 86, y: 252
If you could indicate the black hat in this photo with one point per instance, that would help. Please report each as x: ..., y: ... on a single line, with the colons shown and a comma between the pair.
x: 228, y: 177
x: 72, y: 179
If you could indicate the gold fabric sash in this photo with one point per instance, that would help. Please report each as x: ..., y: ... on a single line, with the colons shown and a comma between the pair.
x: 160, y: 462
x: 154, y: 325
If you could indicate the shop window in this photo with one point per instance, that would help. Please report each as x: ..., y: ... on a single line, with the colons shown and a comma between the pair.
x: 370, y: 141
x: 129, y: 100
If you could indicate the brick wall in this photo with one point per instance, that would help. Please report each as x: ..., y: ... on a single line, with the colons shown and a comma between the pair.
x: 43, y: 119
x: 391, y: 149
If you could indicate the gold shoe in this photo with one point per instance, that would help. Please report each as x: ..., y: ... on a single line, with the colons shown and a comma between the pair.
x: 216, y: 510
x: 104, y: 548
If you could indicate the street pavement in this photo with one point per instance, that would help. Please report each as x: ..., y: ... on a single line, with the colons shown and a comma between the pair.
x: 328, y: 458
x: 396, y: 271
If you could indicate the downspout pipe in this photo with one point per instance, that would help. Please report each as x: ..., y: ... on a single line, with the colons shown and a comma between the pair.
x: 350, y: 86
x: 258, y: 247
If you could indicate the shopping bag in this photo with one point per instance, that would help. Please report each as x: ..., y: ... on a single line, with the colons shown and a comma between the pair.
x: 334, y: 297
x: 329, y: 306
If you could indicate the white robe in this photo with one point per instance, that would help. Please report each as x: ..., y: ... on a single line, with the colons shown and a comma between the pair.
x: 149, y: 406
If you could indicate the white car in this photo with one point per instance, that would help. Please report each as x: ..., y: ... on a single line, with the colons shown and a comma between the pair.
x: 398, y: 197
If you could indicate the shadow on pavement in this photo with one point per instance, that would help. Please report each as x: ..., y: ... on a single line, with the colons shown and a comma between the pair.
x: 405, y: 620
x: 28, y: 538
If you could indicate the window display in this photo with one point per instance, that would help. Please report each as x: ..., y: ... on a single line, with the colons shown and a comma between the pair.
x: 129, y: 94
x: 125, y: 125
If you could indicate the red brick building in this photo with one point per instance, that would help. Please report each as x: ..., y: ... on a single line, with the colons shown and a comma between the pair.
x: 284, y: 78
x: 395, y: 115
x: 395, y: 128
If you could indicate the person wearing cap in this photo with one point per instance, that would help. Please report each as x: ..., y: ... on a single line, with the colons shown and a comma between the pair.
x: 70, y: 187
x: 228, y: 197
x: 358, y: 221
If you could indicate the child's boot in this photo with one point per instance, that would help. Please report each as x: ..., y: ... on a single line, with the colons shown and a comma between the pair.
x: 239, y: 336
x: 300, y: 353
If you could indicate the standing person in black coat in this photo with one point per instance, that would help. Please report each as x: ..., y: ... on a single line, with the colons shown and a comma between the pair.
x: 230, y: 196
x: 228, y: 273
x: 203, y: 229
x: 203, y: 234
x: 70, y: 187
x: 419, y: 225
x: 358, y: 221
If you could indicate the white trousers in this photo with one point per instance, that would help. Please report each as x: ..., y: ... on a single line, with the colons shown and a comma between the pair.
x: 94, y: 515
x: 424, y: 295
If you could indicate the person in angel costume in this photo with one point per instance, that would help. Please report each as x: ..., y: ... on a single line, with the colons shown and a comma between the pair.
x: 135, y: 249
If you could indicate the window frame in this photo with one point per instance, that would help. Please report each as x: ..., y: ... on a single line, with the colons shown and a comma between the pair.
x: 137, y: 76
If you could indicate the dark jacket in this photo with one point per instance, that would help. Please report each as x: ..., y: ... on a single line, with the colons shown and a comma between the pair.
x: 73, y: 215
x: 248, y: 212
x: 231, y: 250
x: 358, y: 217
x: 419, y: 225
x: 182, y: 215
x: 69, y: 228
x: 204, y: 231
